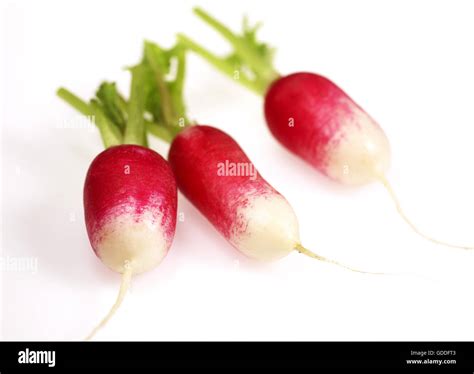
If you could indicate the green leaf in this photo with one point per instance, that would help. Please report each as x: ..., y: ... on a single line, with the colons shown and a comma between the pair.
x: 253, y: 58
x: 135, y: 128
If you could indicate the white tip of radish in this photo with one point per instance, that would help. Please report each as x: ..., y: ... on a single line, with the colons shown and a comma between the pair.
x: 359, y: 150
x: 137, y: 239
x: 267, y: 228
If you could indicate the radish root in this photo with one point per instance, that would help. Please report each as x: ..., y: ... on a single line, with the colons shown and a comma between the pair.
x: 400, y: 211
x: 311, y: 254
x: 124, y: 287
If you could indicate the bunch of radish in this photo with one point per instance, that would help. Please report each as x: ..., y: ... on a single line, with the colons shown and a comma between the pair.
x: 130, y: 193
x: 252, y: 215
x: 308, y: 114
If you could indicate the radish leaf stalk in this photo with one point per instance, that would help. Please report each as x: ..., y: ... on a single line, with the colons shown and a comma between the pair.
x: 135, y: 129
x: 249, y: 58
x: 169, y: 91
x: 109, y: 132
x: 80, y: 105
x: 84, y: 108
x: 113, y: 104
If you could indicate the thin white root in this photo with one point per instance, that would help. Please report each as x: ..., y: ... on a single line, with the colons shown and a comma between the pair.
x: 400, y: 211
x: 307, y: 252
x: 124, y: 286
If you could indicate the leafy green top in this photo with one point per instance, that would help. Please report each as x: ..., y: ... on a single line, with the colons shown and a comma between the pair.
x: 155, y: 104
x: 250, y: 62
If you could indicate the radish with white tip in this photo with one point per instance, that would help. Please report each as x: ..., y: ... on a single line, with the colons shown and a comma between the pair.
x: 130, y: 193
x: 252, y: 215
x: 308, y: 114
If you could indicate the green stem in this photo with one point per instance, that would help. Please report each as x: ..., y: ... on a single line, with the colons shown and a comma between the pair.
x: 84, y: 108
x: 221, y: 64
x: 170, y: 92
x: 135, y: 130
x: 176, y: 87
x: 159, y: 131
x: 246, y: 50
x: 109, y: 133
x: 217, y: 25
x: 151, y: 51
x: 180, y: 54
x: 74, y: 101
x: 110, y: 101
x: 240, y: 46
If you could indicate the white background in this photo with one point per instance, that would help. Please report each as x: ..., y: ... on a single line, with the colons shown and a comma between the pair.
x: 408, y: 63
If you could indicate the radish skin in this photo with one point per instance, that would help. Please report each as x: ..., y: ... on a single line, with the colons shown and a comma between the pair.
x: 247, y: 211
x: 316, y: 120
x: 130, y: 207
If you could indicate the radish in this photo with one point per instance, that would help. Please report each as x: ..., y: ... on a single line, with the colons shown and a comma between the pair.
x: 247, y: 211
x: 130, y: 205
x: 308, y: 114
x: 253, y: 216
x: 130, y: 194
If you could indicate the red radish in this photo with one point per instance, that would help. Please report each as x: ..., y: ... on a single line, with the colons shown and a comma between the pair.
x: 253, y: 216
x: 130, y: 207
x: 245, y: 209
x: 214, y: 173
x: 130, y: 194
x: 308, y: 114
x: 130, y: 204
x: 335, y: 136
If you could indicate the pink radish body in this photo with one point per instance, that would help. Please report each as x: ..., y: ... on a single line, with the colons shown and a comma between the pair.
x: 214, y: 173
x: 130, y: 204
x: 320, y: 123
